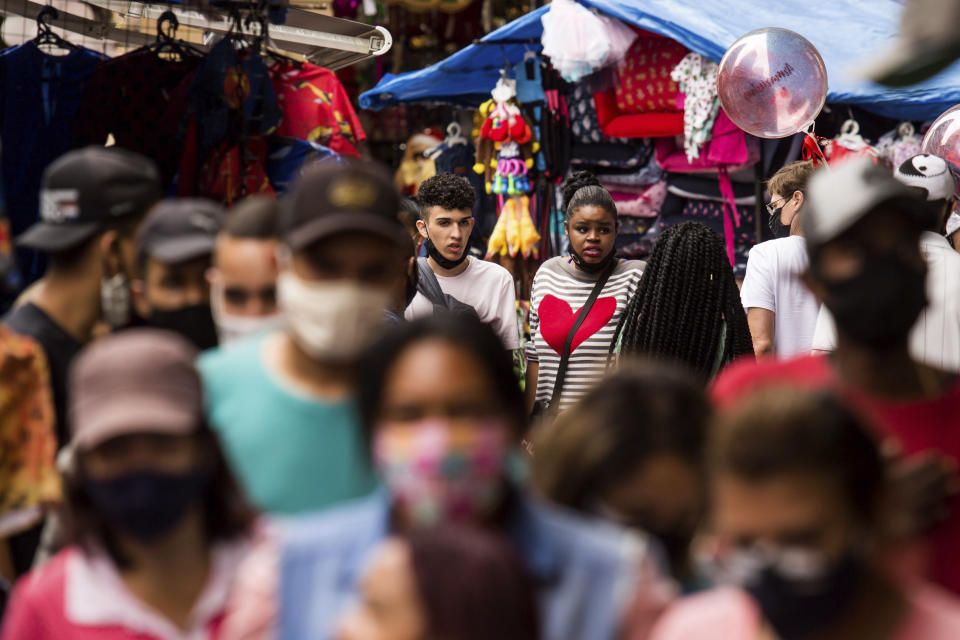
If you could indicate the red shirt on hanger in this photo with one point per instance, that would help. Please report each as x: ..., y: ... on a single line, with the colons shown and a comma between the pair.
x: 316, y: 107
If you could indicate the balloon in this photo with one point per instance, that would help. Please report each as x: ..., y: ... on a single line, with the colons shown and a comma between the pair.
x: 943, y: 136
x: 772, y: 82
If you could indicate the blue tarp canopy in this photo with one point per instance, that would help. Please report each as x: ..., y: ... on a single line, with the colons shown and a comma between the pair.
x: 844, y: 31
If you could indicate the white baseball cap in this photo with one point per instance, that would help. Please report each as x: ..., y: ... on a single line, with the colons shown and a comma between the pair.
x: 839, y: 196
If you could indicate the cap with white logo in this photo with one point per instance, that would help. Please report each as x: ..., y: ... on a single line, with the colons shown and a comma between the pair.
x: 83, y: 190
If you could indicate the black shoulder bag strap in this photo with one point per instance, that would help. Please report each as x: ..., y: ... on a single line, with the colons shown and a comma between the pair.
x: 584, y: 312
x: 428, y: 285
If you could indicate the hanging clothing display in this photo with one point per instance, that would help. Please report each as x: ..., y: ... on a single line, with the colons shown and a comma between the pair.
x: 697, y: 79
x: 231, y: 109
x: 316, y: 107
x: 286, y: 158
x: 134, y: 97
x: 41, y: 95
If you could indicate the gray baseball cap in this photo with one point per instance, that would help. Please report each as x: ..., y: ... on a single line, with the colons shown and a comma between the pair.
x: 839, y: 196
x: 134, y: 381
x: 178, y: 230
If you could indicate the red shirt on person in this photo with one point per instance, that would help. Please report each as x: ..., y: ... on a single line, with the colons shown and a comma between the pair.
x: 915, y: 425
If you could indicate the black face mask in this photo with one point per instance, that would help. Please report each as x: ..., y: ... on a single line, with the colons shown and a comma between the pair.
x: 777, y: 228
x: 676, y: 545
x: 195, y: 323
x: 798, y: 609
x: 878, y: 306
x: 146, y: 504
x: 592, y: 267
x: 440, y: 260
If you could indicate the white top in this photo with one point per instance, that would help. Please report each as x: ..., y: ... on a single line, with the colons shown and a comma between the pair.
x: 773, y: 282
x: 559, y: 291
x: 488, y: 288
x: 935, y: 338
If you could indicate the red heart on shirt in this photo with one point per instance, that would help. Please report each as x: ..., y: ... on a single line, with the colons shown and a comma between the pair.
x: 557, y: 318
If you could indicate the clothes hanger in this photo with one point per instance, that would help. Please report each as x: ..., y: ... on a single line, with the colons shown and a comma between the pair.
x: 46, y: 36
x: 266, y: 44
x: 167, y: 41
x: 455, y: 135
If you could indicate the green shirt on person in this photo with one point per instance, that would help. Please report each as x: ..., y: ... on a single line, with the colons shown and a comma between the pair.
x: 291, y: 452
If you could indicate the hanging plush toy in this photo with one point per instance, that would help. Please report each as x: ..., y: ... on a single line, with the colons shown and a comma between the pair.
x: 514, y: 232
x: 505, y: 144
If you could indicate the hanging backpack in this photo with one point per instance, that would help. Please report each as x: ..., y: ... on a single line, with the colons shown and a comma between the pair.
x: 429, y: 286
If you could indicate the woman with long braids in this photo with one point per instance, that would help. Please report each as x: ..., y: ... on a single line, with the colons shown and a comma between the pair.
x: 687, y: 307
x: 591, y: 282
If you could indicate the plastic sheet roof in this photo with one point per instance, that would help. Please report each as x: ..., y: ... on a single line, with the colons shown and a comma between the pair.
x: 844, y: 31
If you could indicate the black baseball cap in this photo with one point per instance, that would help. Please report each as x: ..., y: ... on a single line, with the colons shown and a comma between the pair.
x: 85, y: 189
x: 333, y: 198
x: 178, y: 230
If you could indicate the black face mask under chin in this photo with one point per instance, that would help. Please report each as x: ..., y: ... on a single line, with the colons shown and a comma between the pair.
x: 195, y: 323
x: 592, y: 267
x: 440, y: 260
x: 878, y: 306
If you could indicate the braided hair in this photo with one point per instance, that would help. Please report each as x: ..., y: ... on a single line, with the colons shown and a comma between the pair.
x: 684, y: 296
x: 582, y: 189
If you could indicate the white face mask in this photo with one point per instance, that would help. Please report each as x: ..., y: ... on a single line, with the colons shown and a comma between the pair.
x: 231, y: 327
x: 332, y: 320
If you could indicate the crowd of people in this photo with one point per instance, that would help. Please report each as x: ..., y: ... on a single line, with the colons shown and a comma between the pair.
x: 278, y: 422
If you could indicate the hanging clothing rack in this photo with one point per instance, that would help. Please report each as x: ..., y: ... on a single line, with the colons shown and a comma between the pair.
x: 329, y: 42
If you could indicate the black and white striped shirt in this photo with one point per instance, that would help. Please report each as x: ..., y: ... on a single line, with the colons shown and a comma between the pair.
x: 559, y: 291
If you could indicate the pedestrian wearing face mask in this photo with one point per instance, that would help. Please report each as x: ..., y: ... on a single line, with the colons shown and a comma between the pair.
x: 243, y: 278
x: 577, y: 301
x: 174, y: 249
x: 631, y: 451
x: 797, y: 489
x: 158, y: 525
x: 863, y: 231
x: 283, y: 403
x: 92, y: 202
x: 446, y: 222
x: 935, y: 338
x: 443, y: 417
x: 781, y: 311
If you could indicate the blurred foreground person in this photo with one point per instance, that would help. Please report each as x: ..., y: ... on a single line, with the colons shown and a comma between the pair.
x: 29, y: 482
x: 92, y: 202
x: 283, y: 403
x: 781, y: 311
x: 935, y: 337
x: 443, y: 584
x: 158, y: 525
x: 687, y: 308
x: 243, y: 278
x: 174, y: 249
x: 863, y: 231
x: 443, y: 416
x: 797, y: 487
x: 631, y: 451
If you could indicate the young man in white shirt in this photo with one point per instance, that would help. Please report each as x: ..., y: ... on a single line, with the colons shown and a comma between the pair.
x: 446, y: 220
x: 935, y: 338
x: 781, y: 312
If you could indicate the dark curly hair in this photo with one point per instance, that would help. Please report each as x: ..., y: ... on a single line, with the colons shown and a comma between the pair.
x: 447, y: 191
x: 582, y: 189
x: 685, y: 295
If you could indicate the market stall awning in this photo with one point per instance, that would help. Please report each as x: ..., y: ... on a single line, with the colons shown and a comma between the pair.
x: 844, y: 31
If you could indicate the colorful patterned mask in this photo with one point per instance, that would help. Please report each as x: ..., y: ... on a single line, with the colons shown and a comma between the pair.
x: 438, y: 473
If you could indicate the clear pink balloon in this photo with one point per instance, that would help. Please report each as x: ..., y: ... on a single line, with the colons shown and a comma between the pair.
x: 772, y: 82
x: 943, y: 136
